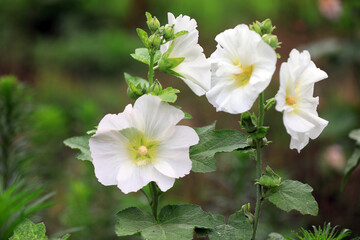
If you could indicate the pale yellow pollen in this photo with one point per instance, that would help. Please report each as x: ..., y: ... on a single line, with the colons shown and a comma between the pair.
x: 142, y: 150
x: 290, y: 100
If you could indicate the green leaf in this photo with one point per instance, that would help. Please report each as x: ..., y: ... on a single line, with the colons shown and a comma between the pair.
x: 351, y: 165
x: 355, y: 134
x: 275, y: 236
x: 211, y: 142
x: 167, y: 94
x: 80, y: 143
x: 187, y: 115
x: 29, y: 230
x: 237, y: 228
x: 294, y: 195
x: 142, y: 55
x: 175, y: 222
x: 143, y: 36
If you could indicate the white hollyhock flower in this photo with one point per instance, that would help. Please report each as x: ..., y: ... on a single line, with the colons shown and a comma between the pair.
x: 142, y: 144
x: 242, y: 67
x: 195, y: 68
x: 295, y: 98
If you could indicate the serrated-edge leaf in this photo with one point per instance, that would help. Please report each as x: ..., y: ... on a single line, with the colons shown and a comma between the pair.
x: 80, y: 143
x: 238, y: 227
x: 143, y: 36
x: 175, y: 222
x: 294, y: 195
x: 167, y: 94
x: 211, y: 142
x: 28, y: 230
x: 141, y: 55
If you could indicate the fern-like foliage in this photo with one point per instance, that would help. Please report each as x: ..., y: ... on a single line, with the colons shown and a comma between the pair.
x: 327, y: 232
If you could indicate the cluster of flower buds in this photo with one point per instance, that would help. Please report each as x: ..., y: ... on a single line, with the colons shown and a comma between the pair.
x: 265, y: 30
x: 160, y: 34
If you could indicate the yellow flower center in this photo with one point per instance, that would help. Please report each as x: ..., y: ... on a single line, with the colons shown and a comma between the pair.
x: 243, y: 78
x: 290, y: 100
x: 142, y: 150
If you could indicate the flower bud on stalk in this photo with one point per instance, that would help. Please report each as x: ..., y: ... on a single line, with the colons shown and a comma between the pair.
x: 155, y: 41
x: 169, y: 32
x: 153, y: 24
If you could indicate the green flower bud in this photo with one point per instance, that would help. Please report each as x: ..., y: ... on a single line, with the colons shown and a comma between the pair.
x: 248, y: 122
x: 267, y: 26
x: 153, y: 24
x: 169, y: 32
x: 155, y: 41
x: 246, y: 210
x: 134, y: 92
x: 156, y: 87
x: 272, y: 40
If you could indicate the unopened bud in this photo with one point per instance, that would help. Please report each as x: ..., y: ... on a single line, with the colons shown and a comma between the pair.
x: 156, y: 87
x: 272, y: 40
x: 153, y: 24
x: 155, y: 41
x: 248, y: 122
x: 169, y: 32
x: 267, y: 26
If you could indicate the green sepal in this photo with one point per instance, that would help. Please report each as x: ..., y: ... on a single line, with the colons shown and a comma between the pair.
x: 294, y: 195
x: 237, y: 227
x: 174, y: 222
x: 259, y: 133
x: 142, y: 55
x: 211, y: 142
x: 269, y: 179
x: 167, y: 64
x: 269, y: 103
x: 167, y: 94
x: 143, y: 36
x: 80, y: 143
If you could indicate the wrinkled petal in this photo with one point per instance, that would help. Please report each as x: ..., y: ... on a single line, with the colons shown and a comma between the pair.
x: 195, y: 68
x: 295, y: 98
x: 238, y: 50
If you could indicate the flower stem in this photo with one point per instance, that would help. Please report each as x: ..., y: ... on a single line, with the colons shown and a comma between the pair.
x: 154, y: 199
x: 258, y: 166
x: 151, y: 67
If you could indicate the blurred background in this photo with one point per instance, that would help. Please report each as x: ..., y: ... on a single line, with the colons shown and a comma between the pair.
x: 72, y: 54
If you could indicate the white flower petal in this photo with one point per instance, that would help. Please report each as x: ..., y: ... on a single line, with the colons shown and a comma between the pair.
x: 160, y: 117
x: 119, y: 161
x: 174, y: 162
x: 195, y: 68
x: 295, y: 97
x: 239, y: 51
x: 108, y: 151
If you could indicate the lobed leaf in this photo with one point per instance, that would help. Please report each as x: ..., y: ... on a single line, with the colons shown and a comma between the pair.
x: 294, y: 195
x: 211, y: 142
x: 238, y: 227
x: 175, y: 222
x: 80, y: 143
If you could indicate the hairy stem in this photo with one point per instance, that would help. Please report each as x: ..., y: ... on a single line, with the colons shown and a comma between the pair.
x: 154, y: 199
x: 151, y: 68
x: 258, y: 166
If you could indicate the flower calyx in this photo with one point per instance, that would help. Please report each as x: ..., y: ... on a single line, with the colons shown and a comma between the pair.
x: 246, y: 210
x: 269, y: 179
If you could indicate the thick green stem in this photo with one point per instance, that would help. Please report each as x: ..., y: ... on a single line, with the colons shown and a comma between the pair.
x: 258, y: 166
x: 151, y: 68
x: 154, y: 199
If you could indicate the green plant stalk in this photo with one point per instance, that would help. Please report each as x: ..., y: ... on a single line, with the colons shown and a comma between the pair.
x: 151, y: 67
x: 154, y: 199
x: 258, y: 166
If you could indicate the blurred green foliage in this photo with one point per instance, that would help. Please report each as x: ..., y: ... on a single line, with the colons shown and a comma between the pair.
x: 74, y: 53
